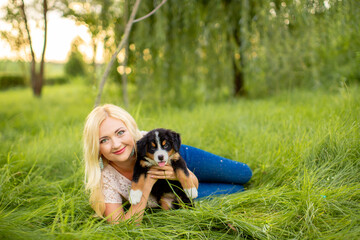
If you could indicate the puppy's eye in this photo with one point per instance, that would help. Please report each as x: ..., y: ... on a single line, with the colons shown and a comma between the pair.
x: 152, y: 145
x: 165, y: 144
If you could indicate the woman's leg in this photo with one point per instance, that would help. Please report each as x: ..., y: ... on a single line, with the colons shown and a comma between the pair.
x: 217, y: 175
x: 207, y: 189
x: 209, y: 167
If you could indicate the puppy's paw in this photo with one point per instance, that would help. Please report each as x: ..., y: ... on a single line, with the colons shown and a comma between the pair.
x: 135, y: 196
x: 191, y: 192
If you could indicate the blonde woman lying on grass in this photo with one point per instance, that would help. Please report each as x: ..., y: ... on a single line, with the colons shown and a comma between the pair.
x: 110, y: 136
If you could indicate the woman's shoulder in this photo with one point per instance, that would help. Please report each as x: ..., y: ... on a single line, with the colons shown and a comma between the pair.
x: 143, y: 133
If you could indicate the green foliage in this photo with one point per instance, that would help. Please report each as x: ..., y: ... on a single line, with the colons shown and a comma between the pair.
x: 304, y: 44
x: 56, y: 80
x: 279, y: 45
x: 75, y: 66
x: 303, y: 148
x: 186, y: 60
x: 8, y: 81
x: 23, y: 68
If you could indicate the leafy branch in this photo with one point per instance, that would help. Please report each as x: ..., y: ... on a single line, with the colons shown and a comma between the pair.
x: 122, y: 43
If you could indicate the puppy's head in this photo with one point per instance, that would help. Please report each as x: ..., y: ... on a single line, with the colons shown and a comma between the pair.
x: 158, y: 145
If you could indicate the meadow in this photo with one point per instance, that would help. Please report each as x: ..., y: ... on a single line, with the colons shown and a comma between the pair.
x: 303, y: 148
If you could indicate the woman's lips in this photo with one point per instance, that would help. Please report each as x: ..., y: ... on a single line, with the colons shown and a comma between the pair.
x: 120, y: 151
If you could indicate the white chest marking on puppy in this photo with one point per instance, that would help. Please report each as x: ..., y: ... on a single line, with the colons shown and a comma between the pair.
x: 135, y: 196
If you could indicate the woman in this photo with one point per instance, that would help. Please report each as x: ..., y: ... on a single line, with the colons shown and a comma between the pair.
x: 110, y: 134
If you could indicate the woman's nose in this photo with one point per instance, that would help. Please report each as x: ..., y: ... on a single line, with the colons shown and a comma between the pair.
x: 116, y: 143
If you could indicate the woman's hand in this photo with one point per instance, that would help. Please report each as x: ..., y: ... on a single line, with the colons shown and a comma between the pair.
x: 165, y: 172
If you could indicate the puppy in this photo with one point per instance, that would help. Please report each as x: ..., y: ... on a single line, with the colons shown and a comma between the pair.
x: 160, y: 147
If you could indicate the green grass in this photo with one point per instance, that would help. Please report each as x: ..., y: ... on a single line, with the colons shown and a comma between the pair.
x: 303, y: 148
x: 23, y: 68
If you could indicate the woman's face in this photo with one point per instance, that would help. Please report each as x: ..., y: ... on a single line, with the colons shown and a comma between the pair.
x: 116, y: 142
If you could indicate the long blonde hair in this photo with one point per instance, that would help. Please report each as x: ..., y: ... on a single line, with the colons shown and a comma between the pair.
x: 91, y: 149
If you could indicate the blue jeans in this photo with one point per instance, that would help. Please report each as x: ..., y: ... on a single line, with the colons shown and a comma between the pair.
x: 216, y: 175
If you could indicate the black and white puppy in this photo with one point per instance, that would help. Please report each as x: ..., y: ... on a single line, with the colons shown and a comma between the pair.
x: 160, y: 147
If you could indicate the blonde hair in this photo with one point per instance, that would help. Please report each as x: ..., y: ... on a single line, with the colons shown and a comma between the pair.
x: 91, y: 149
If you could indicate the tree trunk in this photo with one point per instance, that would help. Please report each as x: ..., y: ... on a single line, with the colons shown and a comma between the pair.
x: 239, y: 78
x: 33, y: 76
x: 40, y: 77
x: 94, y: 42
x: 37, y: 78
x: 119, y: 47
x: 239, y: 89
x: 241, y: 41
x: 124, y: 79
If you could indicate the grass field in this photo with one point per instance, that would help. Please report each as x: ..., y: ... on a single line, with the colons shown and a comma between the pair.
x: 303, y: 148
x: 8, y: 67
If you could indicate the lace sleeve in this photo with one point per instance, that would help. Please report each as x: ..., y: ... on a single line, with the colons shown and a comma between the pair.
x: 110, y: 188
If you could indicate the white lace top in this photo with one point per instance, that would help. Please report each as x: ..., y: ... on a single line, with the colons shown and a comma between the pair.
x: 116, y: 187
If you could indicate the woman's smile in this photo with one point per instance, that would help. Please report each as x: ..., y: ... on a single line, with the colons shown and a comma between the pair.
x: 120, y: 151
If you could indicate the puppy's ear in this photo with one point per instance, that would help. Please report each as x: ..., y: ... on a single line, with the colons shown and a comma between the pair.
x: 175, y: 137
x: 141, y: 147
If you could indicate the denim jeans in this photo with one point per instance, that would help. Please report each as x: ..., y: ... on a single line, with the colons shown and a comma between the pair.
x: 216, y: 175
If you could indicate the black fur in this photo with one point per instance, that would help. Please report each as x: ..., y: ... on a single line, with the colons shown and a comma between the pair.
x: 162, y: 186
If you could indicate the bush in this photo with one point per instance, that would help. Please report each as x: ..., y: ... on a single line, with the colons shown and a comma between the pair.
x: 56, y: 80
x: 8, y: 81
x: 75, y: 65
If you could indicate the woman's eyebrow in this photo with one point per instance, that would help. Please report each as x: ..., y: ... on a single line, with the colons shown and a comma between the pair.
x: 120, y: 128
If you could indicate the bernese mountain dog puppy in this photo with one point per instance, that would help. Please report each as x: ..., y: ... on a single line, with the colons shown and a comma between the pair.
x: 160, y: 147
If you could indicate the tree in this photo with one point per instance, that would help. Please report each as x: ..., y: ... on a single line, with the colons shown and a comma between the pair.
x: 75, y: 65
x: 17, y: 15
x: 123, y: 42
x: 237, y: 39
x: 97, y: 15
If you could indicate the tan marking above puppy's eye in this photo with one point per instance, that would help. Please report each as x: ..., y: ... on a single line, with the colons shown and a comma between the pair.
x: 153, y: 144
x: 164, y: 142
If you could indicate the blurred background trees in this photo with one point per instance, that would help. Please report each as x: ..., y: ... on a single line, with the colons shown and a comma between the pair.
x: 206, y: 51
x: 75, y: 66
x: 19, y: 37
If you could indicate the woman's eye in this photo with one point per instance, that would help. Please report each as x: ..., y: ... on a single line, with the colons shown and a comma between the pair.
x: 103, y: 141
x: 121, y: 132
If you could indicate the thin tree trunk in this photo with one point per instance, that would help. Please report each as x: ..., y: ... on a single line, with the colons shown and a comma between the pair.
x: 238, y: 81
x: 123, y: 42
x: 40, y: 79
x: 241, y: 41
x: 37, y: 79
x: 124, y: 79
x: 94, y: 43
x: 120, y: 46
x: 33, y: 74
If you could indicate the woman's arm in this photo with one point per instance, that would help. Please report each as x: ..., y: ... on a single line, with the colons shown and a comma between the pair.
x: 114, y: 212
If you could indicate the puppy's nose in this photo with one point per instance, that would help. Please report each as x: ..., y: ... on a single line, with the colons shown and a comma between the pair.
x: 161, y: 157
